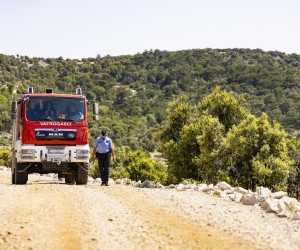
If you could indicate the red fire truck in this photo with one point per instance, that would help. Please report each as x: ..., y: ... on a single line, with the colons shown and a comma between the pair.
x: 50, y: 135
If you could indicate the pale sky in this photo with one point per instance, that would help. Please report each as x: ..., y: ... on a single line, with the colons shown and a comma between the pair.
x: 80, y: 29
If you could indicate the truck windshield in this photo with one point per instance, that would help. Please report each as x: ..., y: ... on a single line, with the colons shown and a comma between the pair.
x: 55, y: 109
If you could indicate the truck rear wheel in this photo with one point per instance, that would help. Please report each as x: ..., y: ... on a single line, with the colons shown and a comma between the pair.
x: 21, y: 177
x: 13, y: 169
x: 13, y: 180
x: 70, y: 178
x: 82, y: 175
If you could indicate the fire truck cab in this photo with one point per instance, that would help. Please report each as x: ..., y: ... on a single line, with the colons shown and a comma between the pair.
x: 50, y: 135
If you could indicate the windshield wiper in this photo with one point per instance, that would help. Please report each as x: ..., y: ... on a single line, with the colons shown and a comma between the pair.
x: 70, y: 120
x: 46, y: 119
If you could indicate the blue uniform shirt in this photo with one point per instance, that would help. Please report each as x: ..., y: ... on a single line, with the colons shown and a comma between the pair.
x: 103, y: 145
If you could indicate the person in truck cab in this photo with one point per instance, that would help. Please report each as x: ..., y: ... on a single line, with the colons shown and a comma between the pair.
x: 73, y: 113
x: 34, y: 109
x: 49, y: 111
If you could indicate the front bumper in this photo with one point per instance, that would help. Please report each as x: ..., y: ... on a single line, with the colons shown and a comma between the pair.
x: 52, y: 154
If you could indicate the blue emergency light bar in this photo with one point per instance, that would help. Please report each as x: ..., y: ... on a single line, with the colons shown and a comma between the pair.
x: 30, y: 90
x: 78, y: 91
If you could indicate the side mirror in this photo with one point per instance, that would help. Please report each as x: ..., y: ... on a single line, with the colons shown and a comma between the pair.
x: 95, y: 108
x: 13, y: 110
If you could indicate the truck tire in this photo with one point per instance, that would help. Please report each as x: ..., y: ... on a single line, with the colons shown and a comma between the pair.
x: 82, y: 175
x: 21, y: 178
x: 70, y: 178
x: 13, y: 168
x: 13, y: 180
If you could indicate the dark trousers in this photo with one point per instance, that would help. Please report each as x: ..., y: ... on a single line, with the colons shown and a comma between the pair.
x: 103, y: 165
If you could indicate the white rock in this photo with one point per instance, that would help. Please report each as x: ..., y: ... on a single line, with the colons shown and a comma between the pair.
x: 111, y: 182
x: 263, y: 191
x: 119, y: 181
x: 90, y: 179
x: 279, y: 194
x: 98, y: 180
x: 202, y: 186
x: 218, y: 192
x: 209, y: 189
x: 180, y: 187
x: 240, y: 190
x: 272, y: 206
x: 265, y: 204
x: 249, y: 199
x: 159, y: 185
x: 127, y: 181
x: 290, y: 201
x: 223, y: 185
x: 3, y: 168
x: 228, y: 191
x: 262, y: 198
x: 237, y: 197
x: 185, y: 182
x: 296, y: 216
x: 171, y: 186
x: 231, y: 196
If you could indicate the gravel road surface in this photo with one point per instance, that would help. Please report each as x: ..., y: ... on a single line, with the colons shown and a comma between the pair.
x: 48, y: 214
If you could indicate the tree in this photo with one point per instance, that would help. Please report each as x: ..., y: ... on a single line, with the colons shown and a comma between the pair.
x: 257, y: 153
x: 223, y: 105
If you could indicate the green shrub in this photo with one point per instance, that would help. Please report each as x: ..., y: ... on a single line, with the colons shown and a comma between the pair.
x: 5, y: 156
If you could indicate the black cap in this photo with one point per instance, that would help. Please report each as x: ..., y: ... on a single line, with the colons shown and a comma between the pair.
x: 103, y: 132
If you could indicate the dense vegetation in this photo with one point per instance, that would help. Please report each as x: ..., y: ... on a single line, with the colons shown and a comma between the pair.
x: 220, y: 140
x: 133, y: 91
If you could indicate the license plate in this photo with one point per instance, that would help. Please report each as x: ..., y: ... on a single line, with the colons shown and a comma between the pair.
x: 55, y: 151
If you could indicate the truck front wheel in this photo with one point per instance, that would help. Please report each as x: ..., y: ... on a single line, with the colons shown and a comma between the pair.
x: 70, y: 178
x: 21, y: 177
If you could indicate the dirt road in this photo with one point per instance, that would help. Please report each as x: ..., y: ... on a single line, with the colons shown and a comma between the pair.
x: 48, y: 214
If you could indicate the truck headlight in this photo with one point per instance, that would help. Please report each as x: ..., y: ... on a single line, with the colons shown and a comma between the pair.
x: 82, y: 154
x: 28, y: 154
x: 27, y: 151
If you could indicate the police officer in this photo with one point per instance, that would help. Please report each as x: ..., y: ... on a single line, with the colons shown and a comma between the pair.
x: 103, y: 150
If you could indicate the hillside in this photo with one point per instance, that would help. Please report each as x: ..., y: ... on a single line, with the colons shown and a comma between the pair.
x: 133, y: 91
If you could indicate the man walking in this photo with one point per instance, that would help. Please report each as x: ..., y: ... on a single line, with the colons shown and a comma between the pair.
x: 103, y: 149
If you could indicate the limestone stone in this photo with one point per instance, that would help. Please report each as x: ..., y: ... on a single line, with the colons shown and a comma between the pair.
x: 223, y: 185
x: 111, y: 182
x: 279, y: 194
x: 272, y: 206
x: 237, y: 197
x: 185, y: 182
x: 119, y: 181
x: 263, y: 191
x: 209, y: 189
x: 202, y: 186
x: 98, y: 180
x: 249, y: 199
x: 180, y: 187
x: 240, y: 190
x: 265, y: 204
x: 218, y: 192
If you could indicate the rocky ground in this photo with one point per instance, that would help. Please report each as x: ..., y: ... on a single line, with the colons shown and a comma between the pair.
x: 48, y: 214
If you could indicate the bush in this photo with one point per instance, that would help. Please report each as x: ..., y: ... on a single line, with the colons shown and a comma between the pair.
x: 221, y: 140
x: 5, y: 156
x: 133, y: 164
